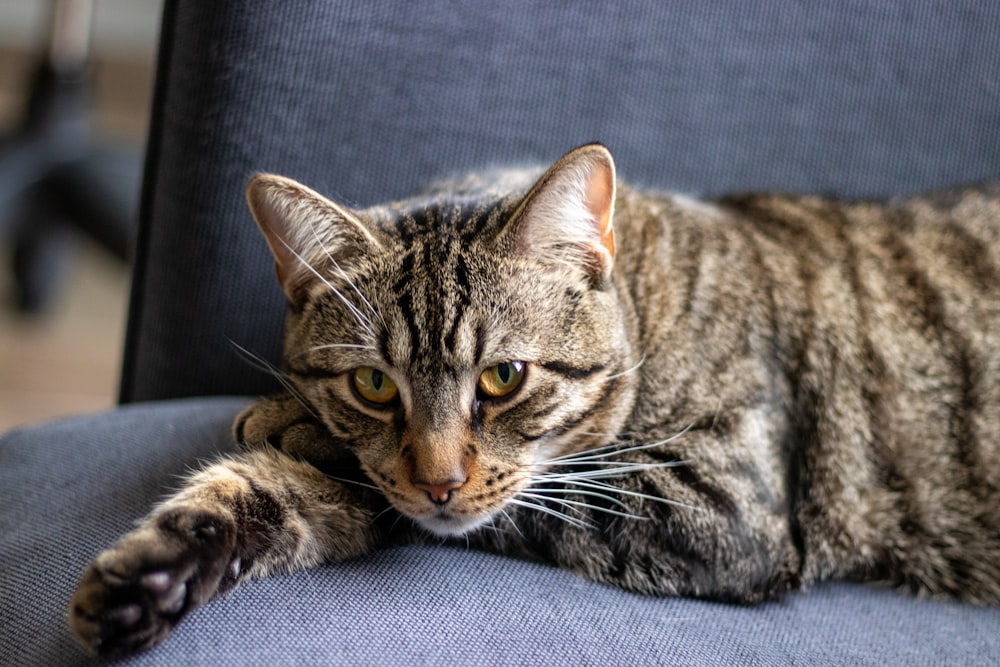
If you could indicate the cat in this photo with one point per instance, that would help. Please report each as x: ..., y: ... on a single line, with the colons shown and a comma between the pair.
x: 726, y: 399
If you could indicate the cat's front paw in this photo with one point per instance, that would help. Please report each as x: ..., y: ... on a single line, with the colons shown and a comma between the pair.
x: 133, y: 594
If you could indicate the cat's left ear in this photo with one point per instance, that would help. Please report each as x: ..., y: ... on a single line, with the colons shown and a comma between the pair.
x: 567, y: 218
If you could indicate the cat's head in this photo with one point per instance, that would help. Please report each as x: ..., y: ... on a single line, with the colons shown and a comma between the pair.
x: 458, y: 343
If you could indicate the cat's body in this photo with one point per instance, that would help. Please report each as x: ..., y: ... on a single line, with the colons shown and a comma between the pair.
x: 725, y: 399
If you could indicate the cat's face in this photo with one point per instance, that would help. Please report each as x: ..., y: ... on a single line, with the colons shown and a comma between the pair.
x: 456, y: 348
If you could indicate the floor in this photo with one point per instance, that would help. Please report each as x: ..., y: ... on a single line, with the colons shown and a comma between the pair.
x: 66, y: 361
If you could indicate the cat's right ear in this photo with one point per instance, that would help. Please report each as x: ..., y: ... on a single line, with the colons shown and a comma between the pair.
x: 304, y: 230
x: 567, y: 218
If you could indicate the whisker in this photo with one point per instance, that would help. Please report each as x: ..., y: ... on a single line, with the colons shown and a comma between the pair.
x: 399, y: 517
x: 601, y: 452
x: 572, y: 455
x: 510, y: 520
x: 356, y: 483
x: 627, y: 371
x: 564, y: 490
x: 602, y: 486
x: 385, y: 511
x: 358, y: 315
x: 333, y: 346
x: 329, y: 346
x: 715, y: 417
x: 257, y: 361
x: 263, y: 364
x: 618, y: 434
x: 608, y: 472
x: 622, y: 464
x: 344, y: 276
x: 575, y: 504
x: 573, y: 521
x: 492, y: 527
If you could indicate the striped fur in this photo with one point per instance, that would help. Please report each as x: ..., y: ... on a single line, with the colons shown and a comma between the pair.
x: 726, y: 399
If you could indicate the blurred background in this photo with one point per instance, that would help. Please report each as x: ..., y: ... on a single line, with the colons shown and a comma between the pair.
x: 65, y: 226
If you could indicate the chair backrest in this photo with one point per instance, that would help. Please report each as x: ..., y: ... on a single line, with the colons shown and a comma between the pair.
x: 366, y: 100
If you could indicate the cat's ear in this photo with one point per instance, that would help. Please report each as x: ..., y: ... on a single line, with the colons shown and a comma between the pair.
x: 568, y: 216
x: 304, y: 229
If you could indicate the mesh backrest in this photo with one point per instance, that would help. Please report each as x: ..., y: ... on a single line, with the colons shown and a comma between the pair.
x: 366, y: 100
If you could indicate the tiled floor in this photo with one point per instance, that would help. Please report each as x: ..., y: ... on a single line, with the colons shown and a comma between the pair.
x: 67, y: 361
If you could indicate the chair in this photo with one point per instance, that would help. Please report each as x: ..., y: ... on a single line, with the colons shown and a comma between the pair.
x: 365, y: 101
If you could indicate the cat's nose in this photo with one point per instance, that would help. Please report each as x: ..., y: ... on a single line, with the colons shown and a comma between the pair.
x: 440, y: 493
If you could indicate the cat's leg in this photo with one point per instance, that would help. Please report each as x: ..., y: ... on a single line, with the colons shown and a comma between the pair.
x: 250, y: 515
x: 284, y: 422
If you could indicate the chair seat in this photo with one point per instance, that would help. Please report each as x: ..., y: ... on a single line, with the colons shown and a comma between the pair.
x: 70, y: 488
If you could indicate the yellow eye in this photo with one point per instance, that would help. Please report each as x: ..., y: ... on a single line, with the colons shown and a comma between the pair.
x: 501, y: 380
x: 374, y: 385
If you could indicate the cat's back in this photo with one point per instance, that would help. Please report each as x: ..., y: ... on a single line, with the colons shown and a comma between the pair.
x: 902, y: 379
x: 874, y: 327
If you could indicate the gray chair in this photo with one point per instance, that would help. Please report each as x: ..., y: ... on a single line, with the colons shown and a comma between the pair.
x: 366, y: 101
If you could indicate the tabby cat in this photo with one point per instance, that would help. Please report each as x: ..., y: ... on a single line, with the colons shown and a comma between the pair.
x: 726, y: 399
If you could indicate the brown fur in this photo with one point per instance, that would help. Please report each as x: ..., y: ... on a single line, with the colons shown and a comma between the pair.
x: 724, y: 399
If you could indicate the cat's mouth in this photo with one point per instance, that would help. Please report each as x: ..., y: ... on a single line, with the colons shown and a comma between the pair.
x: 452, y: 509
x: 449, y: 524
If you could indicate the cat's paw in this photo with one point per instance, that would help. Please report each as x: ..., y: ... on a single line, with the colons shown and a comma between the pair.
x: 133, y: 594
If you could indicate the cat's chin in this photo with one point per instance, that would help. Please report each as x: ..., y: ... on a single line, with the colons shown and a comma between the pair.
x: 448, y: 525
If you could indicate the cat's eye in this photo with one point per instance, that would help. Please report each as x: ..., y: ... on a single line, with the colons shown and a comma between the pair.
x: 501, y: 380
x: 375, y: 386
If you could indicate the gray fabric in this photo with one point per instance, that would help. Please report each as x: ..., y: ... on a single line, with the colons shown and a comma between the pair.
x: 69, y: 488
x: 366, y: 100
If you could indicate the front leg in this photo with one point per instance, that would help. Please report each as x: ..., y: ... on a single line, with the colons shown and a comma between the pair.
x: 247, y: 516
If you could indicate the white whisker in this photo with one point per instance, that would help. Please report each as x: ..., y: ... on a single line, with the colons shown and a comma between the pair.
x: 579, y: 523
x: 492, y: 527
x: 602, y: 452
x: 622, y: 464
x: 510, y: 520
x: 328, y: 346
x: 362, y: 319
x: 263, y: 364
x: 565, y: 490
x: 715, y: 417
x: 399, y: 517
x: 385, y: 511
x: 576, y: 504
x: 621, y: 469
x: 571, y: 456
x: 355, y: 482
x: 602, y: 486
x: 332, y: 346
x: 344, y: 276
x: 627, y: 371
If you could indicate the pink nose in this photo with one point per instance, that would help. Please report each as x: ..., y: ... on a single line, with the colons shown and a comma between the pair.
x: 440, y: 493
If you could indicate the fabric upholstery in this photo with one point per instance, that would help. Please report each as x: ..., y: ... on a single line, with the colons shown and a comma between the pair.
x: 69, y: 488
x: 367, y: 101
